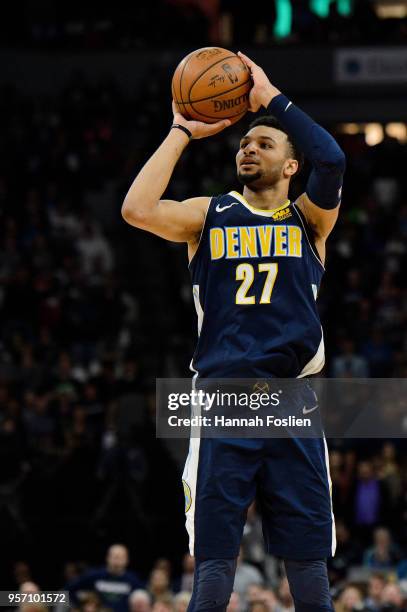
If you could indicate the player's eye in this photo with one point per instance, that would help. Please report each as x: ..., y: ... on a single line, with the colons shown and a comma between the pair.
x: 265, y: 145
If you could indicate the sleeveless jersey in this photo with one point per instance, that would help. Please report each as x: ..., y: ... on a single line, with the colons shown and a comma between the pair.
x: 255, y: 278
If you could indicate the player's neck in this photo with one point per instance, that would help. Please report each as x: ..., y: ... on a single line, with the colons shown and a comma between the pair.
x: 267, y: 199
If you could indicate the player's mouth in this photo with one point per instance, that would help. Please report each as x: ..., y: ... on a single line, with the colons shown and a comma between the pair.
x: 248, y: 163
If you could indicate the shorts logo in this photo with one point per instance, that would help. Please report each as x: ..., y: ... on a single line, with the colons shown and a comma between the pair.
x: 187, y: 495
x: 261, y: 387
x: 306, y: 410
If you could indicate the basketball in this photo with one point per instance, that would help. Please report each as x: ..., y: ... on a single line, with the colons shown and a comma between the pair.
x: 211, y: 84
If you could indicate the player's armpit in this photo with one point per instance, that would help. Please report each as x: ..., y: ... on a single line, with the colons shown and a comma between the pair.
x: 172, y: 220
x: 320, y: 220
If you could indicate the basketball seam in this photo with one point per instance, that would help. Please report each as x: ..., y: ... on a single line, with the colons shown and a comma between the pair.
x: 216, y: 118
x: 220, y: 94
x: 180, y: 84
x: 206, y: 70
x: 173, y: 94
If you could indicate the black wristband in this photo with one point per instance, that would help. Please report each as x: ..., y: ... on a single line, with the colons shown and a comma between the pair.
x: 183, y: 129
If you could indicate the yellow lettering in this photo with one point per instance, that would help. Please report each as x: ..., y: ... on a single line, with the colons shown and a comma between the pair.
x: 248, y: 242
x: 231, y: 242
x: 217, y: 241
x: 280, y: 240
x: 294, y: 241
x: 264, y: 232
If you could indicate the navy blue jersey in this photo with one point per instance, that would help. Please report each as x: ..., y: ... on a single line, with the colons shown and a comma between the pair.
x: 255, y: 277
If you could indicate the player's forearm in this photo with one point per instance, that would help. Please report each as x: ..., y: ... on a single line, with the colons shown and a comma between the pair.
x: 316, y: 143
x: 319, y: 147
x: 152, y: 180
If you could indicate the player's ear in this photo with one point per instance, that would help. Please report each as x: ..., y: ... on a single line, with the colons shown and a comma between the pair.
x: 290, y: 167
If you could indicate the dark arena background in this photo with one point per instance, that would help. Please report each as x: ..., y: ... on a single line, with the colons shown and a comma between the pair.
x: 93, y: 311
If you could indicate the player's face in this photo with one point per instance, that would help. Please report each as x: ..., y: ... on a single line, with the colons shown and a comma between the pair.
x: 264, y: 157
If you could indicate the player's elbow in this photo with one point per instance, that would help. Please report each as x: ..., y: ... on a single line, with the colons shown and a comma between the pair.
x: 327, y: 156
x: 339, y: 159
x: 334, y: 161
x: 134, y: 215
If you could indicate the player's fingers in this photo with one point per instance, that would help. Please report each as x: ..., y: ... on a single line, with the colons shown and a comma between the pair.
x: 214, y: 128
x: 246, y: 60
x: 175, y: 108
x: 253, y: 104
x: 253, y: 108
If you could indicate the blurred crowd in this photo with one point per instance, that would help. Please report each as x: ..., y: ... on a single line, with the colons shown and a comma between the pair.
x: 73, y: 25
x: 92, y: 311
x: 373, y: 580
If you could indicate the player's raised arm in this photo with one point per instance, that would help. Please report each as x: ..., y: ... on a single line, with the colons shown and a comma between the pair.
x: 143, y: 207
x: 321, y: 200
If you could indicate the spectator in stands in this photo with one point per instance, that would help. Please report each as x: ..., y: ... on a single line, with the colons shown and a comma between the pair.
x: 253, y: 541
x: 286, y: 603
x: 246, y: 575
x: 159, y: 585
x: 342, y: 468
x: 163, y: 564
x: 95, y: 251
x: 187, y: 577
x: 369, y: 498
x: 376, y: 585
x: 389, y: 474
x: 234, y: 603
x: 164, y: 605
x: 266, y: 597
x: 29, y: 587
x: 258, y: 606
x: 181, y: 601
x: 22, y: 573
x: 349, y: 364
x: 348, y: 553
x: 92, y: 603
x: 349, y: 600
x: 392, y: 598
x: 378, y: 353
x: 140, y: 601
x: 402, y: 570
x: 13, y: 471
x: 384, y: 554
x: 112, y: 583
x: 254, y: 592
x: 254, y: 551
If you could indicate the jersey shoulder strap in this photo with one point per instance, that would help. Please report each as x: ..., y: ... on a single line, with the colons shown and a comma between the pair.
x: 219, y: 204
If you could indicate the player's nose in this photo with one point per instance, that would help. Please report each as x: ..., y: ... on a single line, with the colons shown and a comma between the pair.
x: 250, y: 149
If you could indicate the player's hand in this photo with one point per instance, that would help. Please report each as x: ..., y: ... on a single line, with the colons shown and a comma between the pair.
x: 199, y: 129
x: 262, y: 92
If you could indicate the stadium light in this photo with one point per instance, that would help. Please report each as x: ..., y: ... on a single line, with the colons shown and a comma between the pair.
x: 390, y: 9
x: 284, y: 18
x: 374, y: 133
x: 397, y: 130
x: 284, y: 13
x: 321, y: 7
x: 350, y: 128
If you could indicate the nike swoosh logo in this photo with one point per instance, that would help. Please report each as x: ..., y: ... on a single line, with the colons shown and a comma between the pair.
x: 222, y: 208
x: 308, y: 410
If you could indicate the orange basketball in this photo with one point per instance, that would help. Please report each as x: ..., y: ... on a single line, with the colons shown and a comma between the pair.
x: 212, y: 84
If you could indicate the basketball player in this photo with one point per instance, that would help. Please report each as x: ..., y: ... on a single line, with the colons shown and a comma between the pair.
x: 256, y: 261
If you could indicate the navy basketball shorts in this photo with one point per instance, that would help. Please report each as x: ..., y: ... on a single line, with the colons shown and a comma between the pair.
x: 289, y: 479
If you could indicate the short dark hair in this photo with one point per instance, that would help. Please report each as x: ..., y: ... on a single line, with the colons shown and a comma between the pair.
x: 271, y: 121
